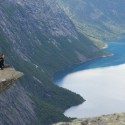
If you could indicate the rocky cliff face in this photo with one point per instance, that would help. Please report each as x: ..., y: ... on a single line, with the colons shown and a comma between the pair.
x: 38, y: 38
x: 29, y: 24
x: 16, y: 107
x: 37, y: 27
x: 114, y: 119
x: 13, y: 99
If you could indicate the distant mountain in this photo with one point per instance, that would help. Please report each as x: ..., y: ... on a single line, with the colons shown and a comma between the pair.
x: 38, y: 39
x: 101, y: 19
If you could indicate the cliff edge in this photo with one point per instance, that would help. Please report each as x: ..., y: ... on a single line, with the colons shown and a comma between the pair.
x: 7, y: 77
x: 114, y: 119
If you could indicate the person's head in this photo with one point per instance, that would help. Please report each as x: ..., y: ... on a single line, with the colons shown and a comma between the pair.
x: 2, y: 55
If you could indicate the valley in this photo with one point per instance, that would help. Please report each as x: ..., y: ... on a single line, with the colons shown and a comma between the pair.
x: 39, y: 38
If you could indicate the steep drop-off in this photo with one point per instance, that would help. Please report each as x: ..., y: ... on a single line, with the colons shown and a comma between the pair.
x: 39, y: 39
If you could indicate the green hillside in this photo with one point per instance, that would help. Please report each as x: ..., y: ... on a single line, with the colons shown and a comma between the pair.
x: 102, y: 19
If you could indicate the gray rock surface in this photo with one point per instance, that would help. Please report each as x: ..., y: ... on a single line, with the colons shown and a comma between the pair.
x: 113, y: 119
x: 7, y: 77
x: 16, y: 108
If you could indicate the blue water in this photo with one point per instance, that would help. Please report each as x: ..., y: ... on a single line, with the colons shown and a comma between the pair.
x: 101, y: 82
x: 116, y: 47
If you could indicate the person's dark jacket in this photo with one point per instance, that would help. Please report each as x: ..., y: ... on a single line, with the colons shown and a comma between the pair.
x: 1, y: 62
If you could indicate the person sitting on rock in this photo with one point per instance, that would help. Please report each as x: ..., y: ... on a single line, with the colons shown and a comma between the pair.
x: 2, y: 61
x: 2, y: 65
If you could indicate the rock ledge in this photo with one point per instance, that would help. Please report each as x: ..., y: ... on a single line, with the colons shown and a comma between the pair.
x: 7, y: 77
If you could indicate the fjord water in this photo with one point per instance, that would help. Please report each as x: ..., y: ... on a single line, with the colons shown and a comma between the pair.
x: 101, y: 82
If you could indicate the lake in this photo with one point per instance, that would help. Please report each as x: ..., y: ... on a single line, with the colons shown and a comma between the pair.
x: 101, y: 82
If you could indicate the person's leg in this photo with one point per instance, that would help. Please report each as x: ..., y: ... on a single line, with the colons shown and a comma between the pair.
x: 1, y: 67
x: 2, y: 63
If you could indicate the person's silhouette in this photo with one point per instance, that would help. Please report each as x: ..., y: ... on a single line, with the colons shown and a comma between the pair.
x: 2, y: 65
x: 2, y: 61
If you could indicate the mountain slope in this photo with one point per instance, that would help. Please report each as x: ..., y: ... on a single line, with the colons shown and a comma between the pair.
x: 101, y: 19
x: 39, y: 39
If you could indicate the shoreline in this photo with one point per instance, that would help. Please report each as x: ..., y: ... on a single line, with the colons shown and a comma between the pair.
x: 77, y: 64
x: 81, y: 62
x: 105, y: 46
x: 87, y: 60
x: 69, y: 68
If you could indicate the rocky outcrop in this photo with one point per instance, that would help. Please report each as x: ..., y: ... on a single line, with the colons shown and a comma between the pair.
x: 114, y: 119
x: 7, y: 78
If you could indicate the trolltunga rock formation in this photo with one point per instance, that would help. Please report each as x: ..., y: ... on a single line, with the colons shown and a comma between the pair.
x: 7, y: 77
